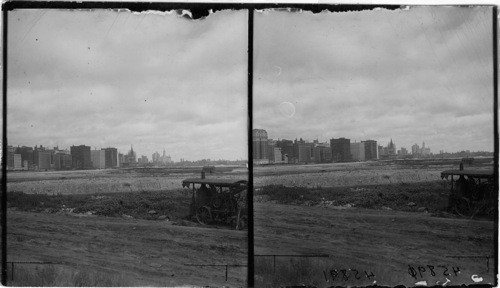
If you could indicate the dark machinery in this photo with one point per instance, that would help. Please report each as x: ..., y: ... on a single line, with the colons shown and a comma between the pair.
x: 473, y: 192
x: 219, y: 201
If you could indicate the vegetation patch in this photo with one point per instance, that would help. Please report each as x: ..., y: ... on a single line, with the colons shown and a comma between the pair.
x: 432, y: 195
x: 141, y: 205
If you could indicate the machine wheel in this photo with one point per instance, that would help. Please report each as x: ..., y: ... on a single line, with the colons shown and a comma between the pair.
x: 203, y: 215
x: 217, y: 202
x: 463, y: 207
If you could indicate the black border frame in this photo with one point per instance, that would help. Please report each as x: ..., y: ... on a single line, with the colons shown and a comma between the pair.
x: 199, y: 10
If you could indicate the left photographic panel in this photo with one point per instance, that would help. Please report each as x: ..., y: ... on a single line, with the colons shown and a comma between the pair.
x: 127, y: 148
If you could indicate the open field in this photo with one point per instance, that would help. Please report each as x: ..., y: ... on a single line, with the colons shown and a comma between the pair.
x: 110, y: 180
x: 352, y: 174
x: 117, y: 228
x: 133, y: 252
x: 387, y: 222
x: 105, y: 231
x: 381, y: 242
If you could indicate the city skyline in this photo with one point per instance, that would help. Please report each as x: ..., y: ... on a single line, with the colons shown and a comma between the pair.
x: 425, y: 72
x: 125, y: 152
x: 380, y: 142
x: 108, y: 78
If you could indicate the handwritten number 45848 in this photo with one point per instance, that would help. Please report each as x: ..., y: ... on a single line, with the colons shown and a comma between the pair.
x: 431, y: 269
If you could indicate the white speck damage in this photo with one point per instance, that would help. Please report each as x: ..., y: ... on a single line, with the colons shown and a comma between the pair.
x: 476, y: 278
x: 421, y: 283
x: 447, y: 281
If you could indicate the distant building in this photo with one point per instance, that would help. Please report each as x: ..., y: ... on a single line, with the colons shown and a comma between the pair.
x: 358, y: 151
x: 156, y: 158
x: 287, y: 150
x: 165, y: 159
x: 415, y: 150
x: 370, y: 150
x: 18, y: 163
x: 121, y: 159
x: 303, y: 151
x: 271, y: 144
x: 98, y: 158
x: 81, y: 157
x: 44, y: 160
x: 259, y: 146
x: 110, y: 157
x: 144, y: 159
x: 391, y: 148
x: 62, y: 161
x: 35, y: 154
x: 323, y: 153
x: 341, y: 150
x: 382, y: 152
x: 425, y: 151
x: 278, y: 157
x: 131, y: 157
x: 403, y: 151
x: 10, y: 159
x: 388, y: 152
x: 26, y: 155
x: 14, y: 161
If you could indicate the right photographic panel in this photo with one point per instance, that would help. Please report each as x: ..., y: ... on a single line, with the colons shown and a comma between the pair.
x: 374, y: 147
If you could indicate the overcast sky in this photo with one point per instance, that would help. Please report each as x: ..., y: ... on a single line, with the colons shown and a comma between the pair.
x: 423, y: 74
x: 106, y: 78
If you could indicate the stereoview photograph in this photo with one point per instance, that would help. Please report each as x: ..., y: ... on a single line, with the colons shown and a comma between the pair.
x: 373, y: 147
x: 127, y: 148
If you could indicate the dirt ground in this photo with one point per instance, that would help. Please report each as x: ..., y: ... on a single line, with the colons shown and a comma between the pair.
x: 141, y: 252
x: 395, y: 247
x: 384, y: 243
x: 147, y: 252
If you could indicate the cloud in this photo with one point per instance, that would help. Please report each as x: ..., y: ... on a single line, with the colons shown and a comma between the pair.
x: 108, y: 78
x: 423, y: 74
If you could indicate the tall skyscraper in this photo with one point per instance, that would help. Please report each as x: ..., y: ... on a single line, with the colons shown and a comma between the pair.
x: 304, y: 152
x: 81, y: 157
x: 370, y: 150
x: 259, y: 145
x: 341, y: 149
x: 44, y: 160
x: 111, y: 157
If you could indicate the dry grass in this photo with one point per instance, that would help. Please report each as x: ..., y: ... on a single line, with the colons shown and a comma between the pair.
x: 348, y: 174
x: 105, y: 181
